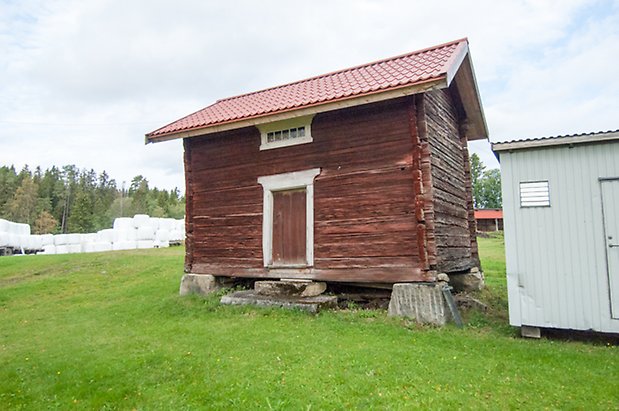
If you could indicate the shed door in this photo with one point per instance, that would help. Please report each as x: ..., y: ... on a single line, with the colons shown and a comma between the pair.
x: 289, y: 227
x: 610, y: 205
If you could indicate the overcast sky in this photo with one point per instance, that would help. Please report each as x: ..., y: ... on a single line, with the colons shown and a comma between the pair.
x: 81, y: 82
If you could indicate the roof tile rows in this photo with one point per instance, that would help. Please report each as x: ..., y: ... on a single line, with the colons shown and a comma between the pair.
x: 400, y: 71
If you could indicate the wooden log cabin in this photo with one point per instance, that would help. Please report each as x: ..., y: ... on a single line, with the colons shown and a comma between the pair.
x: 356, y: 176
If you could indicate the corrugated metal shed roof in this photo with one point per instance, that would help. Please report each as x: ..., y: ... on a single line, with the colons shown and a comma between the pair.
x: 417, y: 68
x: 556, y: 140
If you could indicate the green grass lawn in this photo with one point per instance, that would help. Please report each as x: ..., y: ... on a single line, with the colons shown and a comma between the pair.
x: 108, y: 331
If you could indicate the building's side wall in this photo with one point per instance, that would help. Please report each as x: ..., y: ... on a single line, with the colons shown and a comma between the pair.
x: 489, y: 224
x: 453, y: 213
x: 364, y: 210
x: 556, y: 262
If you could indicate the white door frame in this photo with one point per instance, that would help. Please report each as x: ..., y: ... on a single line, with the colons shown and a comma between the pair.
x: 287, y: 181
x: 611, y: 243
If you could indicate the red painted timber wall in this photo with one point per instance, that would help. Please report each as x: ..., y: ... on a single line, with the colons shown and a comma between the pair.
x: 364, y: 198
x: 392, y: 202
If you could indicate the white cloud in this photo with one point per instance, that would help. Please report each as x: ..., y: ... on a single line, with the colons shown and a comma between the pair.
x: 83, y: 81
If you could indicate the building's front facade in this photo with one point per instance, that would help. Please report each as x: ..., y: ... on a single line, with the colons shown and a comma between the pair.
x: 357, y: 176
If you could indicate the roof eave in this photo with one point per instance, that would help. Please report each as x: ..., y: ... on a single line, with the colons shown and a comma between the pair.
x: 555, y: 141
x: 433, y: 84
x: 466, y: 83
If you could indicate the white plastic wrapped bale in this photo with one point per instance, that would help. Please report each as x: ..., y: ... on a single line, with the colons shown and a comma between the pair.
x: 103, y: 246
x: 96, y: 247
x: 167, y: 224
x: 140, y: 220
x: 162, y: 235
x: 146, y: 244
x: 22, y: 229
x: 74, y: 239
x: 62, y: 249
x: 162, y: 238
x: 4, y: 226
x: 47, y: 239
x: 105, y: 236
x: 34, y: 242
x: 125, y: 245
x: 15, y: 240
x: 49, y: 249
x: 74, y: 248
x: 88, y: 238
x: 60, y: 239
x: 145, y: 232
x: 86, y: 241
x: 88, y: 247
x: 23, y: 241
x: 177, y: 235
x: 4, y: 239
x: 123, y: 223
x: 121, y: 234
x: 180, y: 224
x: 154, y: 222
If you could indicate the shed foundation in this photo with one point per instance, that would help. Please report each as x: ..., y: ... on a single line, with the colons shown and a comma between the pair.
x: 424, y: 303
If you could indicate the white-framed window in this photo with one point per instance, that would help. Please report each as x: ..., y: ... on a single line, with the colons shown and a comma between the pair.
x: 534, y: 194
x: 286, y: 133
x: 288, y: 181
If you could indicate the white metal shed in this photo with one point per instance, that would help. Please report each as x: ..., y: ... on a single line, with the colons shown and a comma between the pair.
x: 561, y: 218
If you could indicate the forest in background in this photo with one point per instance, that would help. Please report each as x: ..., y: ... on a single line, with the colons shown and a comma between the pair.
x: 71, y: 200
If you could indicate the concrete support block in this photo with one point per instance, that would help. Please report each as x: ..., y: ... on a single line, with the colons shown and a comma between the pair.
x: 424, y: 303
x: 290, y: 288
x: 530, y: 332
x: 199, y: 284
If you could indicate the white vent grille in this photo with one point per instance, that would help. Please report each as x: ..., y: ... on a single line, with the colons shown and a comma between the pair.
x: 534, y: 194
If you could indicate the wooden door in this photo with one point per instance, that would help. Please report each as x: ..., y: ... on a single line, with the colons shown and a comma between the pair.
x: 289, y: 227
x: 610, y: 208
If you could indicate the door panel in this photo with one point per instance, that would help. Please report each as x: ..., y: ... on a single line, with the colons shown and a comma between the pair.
x: 610, y: 207
x: 289, y: 227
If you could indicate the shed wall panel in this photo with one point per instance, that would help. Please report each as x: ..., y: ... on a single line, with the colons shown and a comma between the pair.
x: 556, y: 262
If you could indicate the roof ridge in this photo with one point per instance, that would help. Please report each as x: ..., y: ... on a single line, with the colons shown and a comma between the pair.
x: 393, y: 58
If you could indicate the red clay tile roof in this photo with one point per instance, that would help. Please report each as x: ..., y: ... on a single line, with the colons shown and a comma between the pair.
x: 488, y: 214
x: 401, y: 71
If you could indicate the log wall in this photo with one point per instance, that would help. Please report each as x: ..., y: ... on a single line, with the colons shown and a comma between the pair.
x: 369, y: 223
x: 451, y: 218
x: 392, y: 202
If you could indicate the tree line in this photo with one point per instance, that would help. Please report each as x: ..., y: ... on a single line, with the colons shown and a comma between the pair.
x: 71, y: 200
x: 486, y: 185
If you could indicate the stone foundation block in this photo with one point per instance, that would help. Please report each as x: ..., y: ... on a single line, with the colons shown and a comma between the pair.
x: 287, y: 288
x: 424, y: 303
x: 471, y: 281
x: 309, y: 304
x: 199, y: 284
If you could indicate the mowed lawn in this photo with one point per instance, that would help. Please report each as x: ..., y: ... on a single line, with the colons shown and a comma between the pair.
x: 109, y: 331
